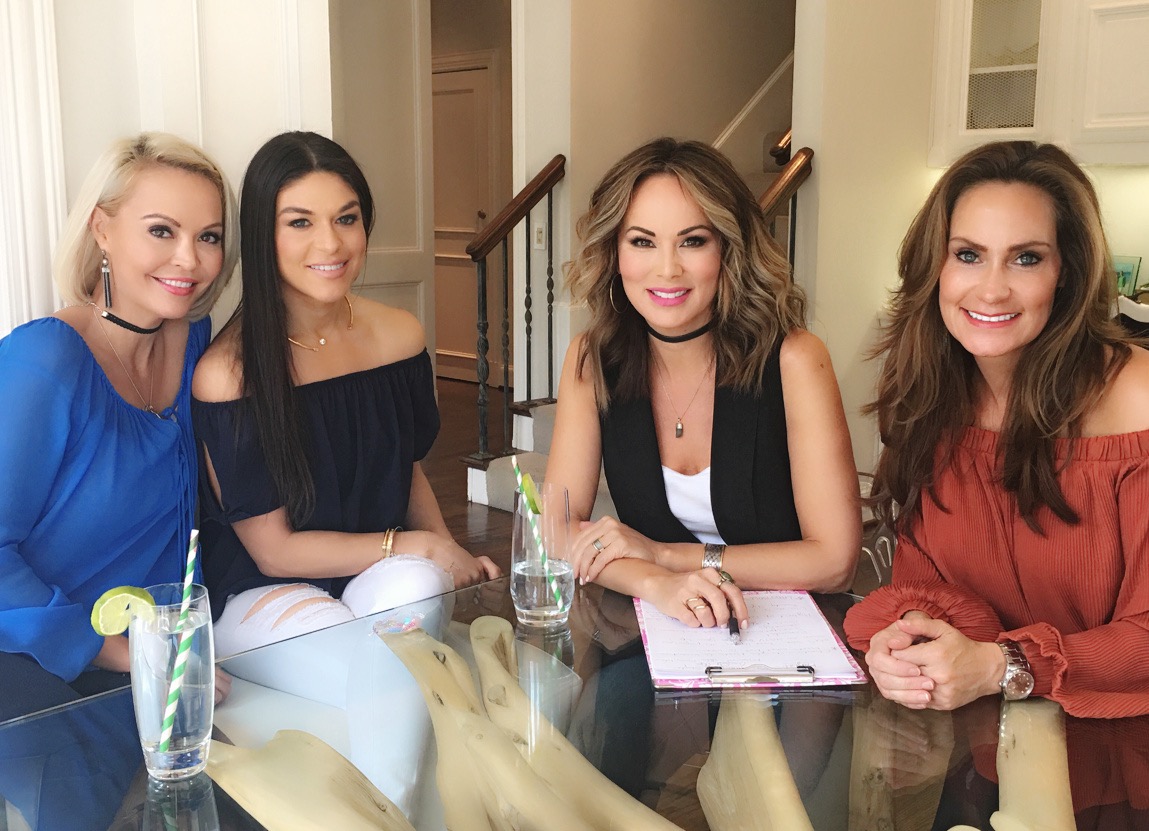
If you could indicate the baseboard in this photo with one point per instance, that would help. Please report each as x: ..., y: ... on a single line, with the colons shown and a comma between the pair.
x: 460, y: 366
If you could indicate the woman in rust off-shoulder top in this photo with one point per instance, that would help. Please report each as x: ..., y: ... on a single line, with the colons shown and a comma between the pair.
x: 1015, y: 422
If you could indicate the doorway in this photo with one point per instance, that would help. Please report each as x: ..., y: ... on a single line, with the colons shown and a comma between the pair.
x: 470, y: 82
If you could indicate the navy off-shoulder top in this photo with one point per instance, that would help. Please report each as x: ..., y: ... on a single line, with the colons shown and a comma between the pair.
x: 365, y: 432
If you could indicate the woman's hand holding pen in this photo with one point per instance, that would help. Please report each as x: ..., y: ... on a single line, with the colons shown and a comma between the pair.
x: 697, y: 598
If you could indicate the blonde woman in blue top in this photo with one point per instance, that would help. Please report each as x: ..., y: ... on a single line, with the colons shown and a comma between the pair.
x: 97, y: 461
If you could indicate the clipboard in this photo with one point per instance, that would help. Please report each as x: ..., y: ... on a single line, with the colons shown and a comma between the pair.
x: 789, y: 643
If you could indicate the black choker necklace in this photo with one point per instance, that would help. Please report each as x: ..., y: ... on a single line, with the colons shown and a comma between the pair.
x: 119, y: 321
x: 702, y: 330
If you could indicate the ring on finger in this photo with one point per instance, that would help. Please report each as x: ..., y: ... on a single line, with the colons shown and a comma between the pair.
x: 597, y: 543
x: 692, y: 606
x: 724, y: 577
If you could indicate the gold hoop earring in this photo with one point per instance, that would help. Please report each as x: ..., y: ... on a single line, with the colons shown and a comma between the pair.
x: 610, y: 293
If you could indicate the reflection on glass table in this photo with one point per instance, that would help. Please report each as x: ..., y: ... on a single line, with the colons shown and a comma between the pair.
x: 564, y: 730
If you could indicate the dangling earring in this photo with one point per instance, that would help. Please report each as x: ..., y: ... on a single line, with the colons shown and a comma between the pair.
x: 610, y: 293
x: 106, y: 275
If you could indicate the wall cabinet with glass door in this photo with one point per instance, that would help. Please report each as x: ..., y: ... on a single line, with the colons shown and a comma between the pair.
x: 1075, y: 72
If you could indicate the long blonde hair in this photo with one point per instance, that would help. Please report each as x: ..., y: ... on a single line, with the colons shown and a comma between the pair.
x: 926, y: 394
x: 76, y: 268
x: 756, y: 305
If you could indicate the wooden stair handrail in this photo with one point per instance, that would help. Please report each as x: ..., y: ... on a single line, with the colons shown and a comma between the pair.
x: 796, y: 171
x: 781, y: 149
x: 517, y: 208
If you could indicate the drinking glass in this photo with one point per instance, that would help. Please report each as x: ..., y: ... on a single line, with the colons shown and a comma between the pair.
x: 187, y: 805
x: 153, y: 644
x: 542, y: 580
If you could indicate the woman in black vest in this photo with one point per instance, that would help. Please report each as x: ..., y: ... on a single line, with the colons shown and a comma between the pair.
x: 715, y: 413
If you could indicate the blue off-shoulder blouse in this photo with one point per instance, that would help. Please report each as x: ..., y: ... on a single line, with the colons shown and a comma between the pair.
x: 365, y: 432
x: 94, y: 493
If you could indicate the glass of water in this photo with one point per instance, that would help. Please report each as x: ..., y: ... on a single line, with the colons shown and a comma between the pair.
x: 154, y: 646
x: 542, y: 580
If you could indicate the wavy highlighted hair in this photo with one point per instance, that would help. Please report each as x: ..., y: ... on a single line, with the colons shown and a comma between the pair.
x: 76, y: 268
x: 926, y: 388
x: 756, y: 304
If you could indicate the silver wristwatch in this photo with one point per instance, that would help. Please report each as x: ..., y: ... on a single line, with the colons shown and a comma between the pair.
x: 712, y: 555
x: 1017, y: 682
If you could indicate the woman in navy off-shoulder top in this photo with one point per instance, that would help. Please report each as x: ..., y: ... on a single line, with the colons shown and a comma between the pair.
x: 313, y: 409
x: 97, y: 460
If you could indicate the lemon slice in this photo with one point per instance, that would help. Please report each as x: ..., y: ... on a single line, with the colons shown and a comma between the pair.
x: 112, y: 613
x: 531, y: 494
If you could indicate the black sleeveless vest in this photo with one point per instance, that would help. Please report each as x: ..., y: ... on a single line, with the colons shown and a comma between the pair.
x: 750, y: 486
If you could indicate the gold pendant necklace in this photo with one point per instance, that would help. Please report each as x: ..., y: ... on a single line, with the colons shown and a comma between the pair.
x: 147, y: 402
x: 678, y: 430
x: 323, y: 341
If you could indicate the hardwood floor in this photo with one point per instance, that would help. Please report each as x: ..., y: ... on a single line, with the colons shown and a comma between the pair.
x: 479, y: 529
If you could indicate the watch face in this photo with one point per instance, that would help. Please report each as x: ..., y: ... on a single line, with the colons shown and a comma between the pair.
x: 1018, y: 685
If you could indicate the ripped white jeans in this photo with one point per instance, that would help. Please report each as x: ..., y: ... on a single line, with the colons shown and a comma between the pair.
x: 303, y: 608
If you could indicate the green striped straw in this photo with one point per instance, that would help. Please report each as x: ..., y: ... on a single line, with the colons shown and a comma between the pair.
x: 183, y: 649
x: 534, y: 523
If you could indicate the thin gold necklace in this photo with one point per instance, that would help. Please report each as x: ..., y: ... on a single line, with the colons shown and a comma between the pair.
x: 666, y: 391
x: 147, y: 402
x: 323, y: 341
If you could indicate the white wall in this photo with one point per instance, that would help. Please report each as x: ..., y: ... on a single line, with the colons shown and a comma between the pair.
x: 1124, y: 195
x: 541, y: 126
x: 862, y: 88
x: 225, y: 75
x: 381, y: 78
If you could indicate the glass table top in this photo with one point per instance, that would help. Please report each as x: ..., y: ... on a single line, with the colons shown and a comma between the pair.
x: 317, y: 727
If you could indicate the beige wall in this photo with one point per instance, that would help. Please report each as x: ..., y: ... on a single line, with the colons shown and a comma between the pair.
x: 647, y: 68
x: 862, y: 101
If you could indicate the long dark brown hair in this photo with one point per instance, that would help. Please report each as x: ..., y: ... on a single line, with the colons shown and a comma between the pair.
x: 268, y: 389
x: 756, y: 305
x: 926, y: 389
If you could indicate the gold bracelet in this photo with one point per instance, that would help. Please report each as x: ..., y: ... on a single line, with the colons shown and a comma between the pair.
x: 388, y: 543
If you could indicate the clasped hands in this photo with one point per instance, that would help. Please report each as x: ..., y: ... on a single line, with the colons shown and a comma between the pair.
x: 925, y: 663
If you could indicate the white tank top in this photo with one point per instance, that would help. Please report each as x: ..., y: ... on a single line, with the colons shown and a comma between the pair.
x: 689, y: 501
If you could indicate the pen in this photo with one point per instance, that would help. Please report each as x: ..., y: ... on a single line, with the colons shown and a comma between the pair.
x: 735, y: 632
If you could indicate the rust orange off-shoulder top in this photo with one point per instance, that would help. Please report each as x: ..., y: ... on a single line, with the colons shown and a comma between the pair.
x: 1076, y: 599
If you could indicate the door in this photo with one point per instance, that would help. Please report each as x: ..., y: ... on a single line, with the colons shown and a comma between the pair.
x: 464, y: 151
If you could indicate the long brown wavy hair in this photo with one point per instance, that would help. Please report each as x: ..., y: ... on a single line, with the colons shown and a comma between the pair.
x: 756, y: 304
x: 926, y: 389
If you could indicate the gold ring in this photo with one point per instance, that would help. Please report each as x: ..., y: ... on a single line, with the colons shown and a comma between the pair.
x: 597, y: 543
x: 694, y: 607
x: 724, y: 577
